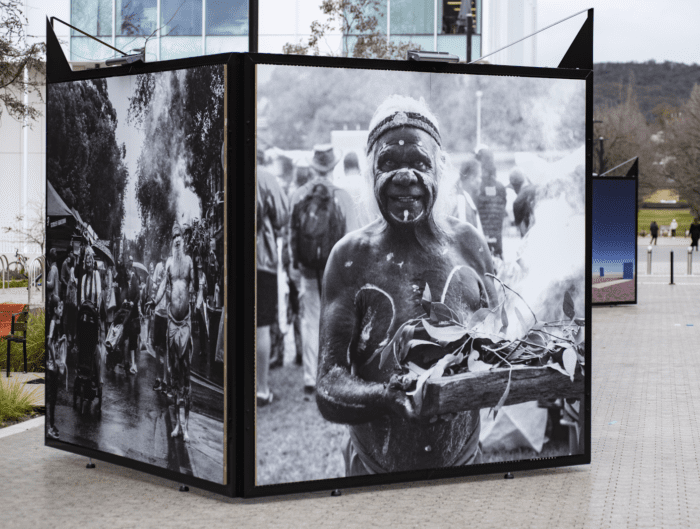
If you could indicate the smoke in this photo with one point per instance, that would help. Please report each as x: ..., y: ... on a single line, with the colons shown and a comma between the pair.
x: 163, y: 175
x: 552, y: 256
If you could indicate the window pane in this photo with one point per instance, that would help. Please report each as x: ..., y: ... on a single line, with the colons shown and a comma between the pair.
x: 181, y: 17
x: 179, y: 47
x: 227, y: 17
x: 92, y: 16
x: 412, y: 17
x: 136, y: 17
x: 453, y: 15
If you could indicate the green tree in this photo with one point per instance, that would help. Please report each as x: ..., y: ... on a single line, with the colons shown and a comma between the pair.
x: 16, y: 57
x: 358, y: 21
x: 84, y: 161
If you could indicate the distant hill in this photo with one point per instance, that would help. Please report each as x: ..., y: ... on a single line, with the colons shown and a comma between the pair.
x: 656, y: 84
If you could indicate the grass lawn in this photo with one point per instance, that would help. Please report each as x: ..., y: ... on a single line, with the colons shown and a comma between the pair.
x: 663, y: 217
x: 294, y: 443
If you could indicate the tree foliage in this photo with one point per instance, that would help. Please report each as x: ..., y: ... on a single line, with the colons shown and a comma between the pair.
x: 84, y: 161
x: 682, y: 147
x: 182, y: 114
x: 627, y: 135
x: 359, y: 23
x: 16, y: 56
x: 34, y: 231
x: 658, y: 85
x: 305, y: 104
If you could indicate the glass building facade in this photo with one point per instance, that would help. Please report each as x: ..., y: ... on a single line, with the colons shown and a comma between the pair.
x: 169, y: 29
x: 434, y: 25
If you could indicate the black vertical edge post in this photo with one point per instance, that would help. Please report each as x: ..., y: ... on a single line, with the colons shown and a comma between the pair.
x: 589, y: 260
x: 233, y: 307
x: 253, y: 24
x: 671, y: 283
x: 634, y: 173
x: 247, y: 202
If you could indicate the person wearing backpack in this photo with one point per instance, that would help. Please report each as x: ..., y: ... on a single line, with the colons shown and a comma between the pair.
x: 322, y: 214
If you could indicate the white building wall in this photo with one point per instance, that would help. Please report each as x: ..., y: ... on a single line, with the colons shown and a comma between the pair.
x: 22, y: 149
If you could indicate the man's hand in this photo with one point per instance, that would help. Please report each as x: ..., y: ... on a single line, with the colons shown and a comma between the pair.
x: 400, y: 404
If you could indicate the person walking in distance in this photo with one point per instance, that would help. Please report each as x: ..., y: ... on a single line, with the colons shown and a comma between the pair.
x: 491, y: 203
x: 272, y: 215
x: 321, y: 215
x: 160, y: 324
x: 468, y: 188
x: 654, y: 230
x: 695, y: 233
x: 674, y: 227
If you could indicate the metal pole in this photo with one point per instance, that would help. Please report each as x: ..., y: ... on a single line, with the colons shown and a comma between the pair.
x: 479, y: 93
x: 649, y: 261
x: 672, y: 283
x: 601, y: 155
x: 690, y: 260
x: 470, y: 31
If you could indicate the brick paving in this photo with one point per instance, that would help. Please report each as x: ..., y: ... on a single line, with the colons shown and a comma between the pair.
x: 645, y: 470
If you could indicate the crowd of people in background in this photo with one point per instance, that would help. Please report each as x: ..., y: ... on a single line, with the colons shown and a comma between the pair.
x: 127, y: 302
x: 308, y: 213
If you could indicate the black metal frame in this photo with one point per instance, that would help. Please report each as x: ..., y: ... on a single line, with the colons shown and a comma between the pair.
x: 247, y: 459
x: 58, y: 71
x: 239, y: 451
x: 627, y: 178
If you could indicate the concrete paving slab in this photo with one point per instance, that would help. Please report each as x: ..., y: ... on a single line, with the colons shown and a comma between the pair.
x: 645, y: 470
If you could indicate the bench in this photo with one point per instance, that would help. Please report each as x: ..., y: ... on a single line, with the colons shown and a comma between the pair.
x: 10, y: 328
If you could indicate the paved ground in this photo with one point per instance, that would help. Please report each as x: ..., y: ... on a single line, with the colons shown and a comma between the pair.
x: 645, y: 470
x: 21, y: 295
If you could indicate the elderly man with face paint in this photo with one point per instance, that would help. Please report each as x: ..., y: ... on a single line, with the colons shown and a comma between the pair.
x: 374, y: 282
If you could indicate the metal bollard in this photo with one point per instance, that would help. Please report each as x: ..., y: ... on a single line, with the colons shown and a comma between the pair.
x: 690, y: 260
x: 649, y: 261
x: 671, y: 283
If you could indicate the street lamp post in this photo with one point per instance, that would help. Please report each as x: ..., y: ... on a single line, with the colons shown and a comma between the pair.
x: 601, y: 157
x: 479, y: 93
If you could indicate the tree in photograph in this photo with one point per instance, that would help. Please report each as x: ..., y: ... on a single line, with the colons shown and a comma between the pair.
x: 182, y: 116
x: 16, y: 57
x: 358, y: 21
x: 682, y: 146
x: 85, y: 163
x: 627, y: 135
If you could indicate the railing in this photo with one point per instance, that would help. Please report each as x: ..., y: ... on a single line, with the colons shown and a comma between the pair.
x: 5, y: 270
x: 36, y: 271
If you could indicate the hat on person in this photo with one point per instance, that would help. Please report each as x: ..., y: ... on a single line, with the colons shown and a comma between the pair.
x: 402, y: 111
x: 177, y: 231
x: 325, y: 158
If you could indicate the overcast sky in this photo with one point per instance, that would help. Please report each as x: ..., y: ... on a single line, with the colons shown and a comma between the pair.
x: 635, y: 30
x: 625, y: 30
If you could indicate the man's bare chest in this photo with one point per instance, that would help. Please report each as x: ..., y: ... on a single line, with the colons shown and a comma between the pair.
x: 389, y: 293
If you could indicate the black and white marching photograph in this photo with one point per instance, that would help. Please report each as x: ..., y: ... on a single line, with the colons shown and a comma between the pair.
x: 421, y: 271
x: 135, y: 253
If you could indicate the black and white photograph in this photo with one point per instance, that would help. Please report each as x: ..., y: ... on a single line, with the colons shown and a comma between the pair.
x: 135, y: 257
x: 421, y: 271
